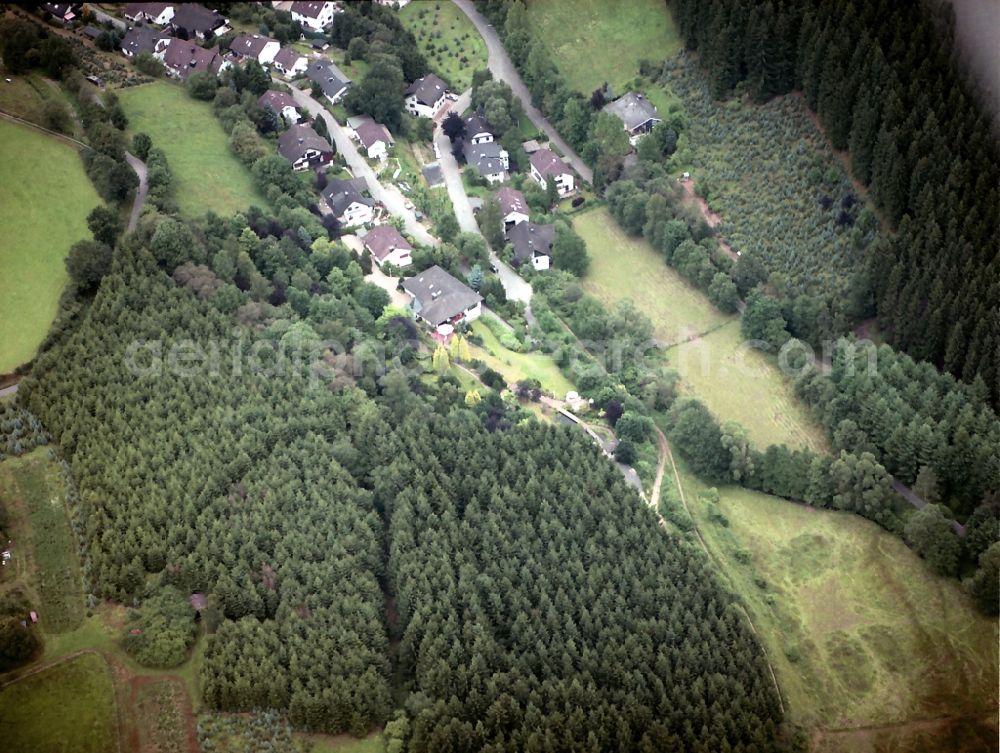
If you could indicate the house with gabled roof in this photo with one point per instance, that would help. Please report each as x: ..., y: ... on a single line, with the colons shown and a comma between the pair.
x: 374, y: 137
x: 304, y: 148
x: 182, y: 58
x: 193, y: 21
x: 150, y: 13
x: 532, y: 243
x: 255, y: 47
x: 513, y: 207
x: 314, y: 15
x: 544, y: 164
x: 489, y: 159
x: 331, y: 80
x: 140, y: 39
x: 290, y: 63
x: 438, y: 298
x: 477, y: 130
x: 348, y: 203
x: 637, y: 114
x: 282, y: 104
x: 388, y: 246
x: 425, y: 96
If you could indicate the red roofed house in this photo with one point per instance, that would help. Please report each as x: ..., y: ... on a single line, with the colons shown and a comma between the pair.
x: 544, y: 164
x: 182, y: 58
x: 255, y: 47
x: 513, y: 207
x: 290, y: 63
x: 281, y: 103
x: 387, y: 245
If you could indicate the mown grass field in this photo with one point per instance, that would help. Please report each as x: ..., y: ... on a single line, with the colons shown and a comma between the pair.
x: 206, y: 175
x: 449, y: 41
x: 518, y: 366
x: 68, y: 708
x: 738, y: 383
x: 625, y: 267
x: 860, y: 632
x: 597, y: 41
x: 34, y: 484
x: 45, y: 197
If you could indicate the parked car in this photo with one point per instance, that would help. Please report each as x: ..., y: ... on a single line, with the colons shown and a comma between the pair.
x: 494, y: 268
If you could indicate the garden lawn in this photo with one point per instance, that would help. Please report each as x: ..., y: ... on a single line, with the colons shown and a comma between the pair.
x: 69, y: 708
x: 860, y: 632
x: 625, y: 267
x: 598, y: 41
x: 206, y: 175
x: 35, y: 483
x: 448, y: 40
x: 518, y: 366
x: 738, y: 383
x: 45, y: 197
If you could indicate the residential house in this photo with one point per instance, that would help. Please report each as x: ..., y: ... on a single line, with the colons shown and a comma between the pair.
x: 140, y: 39
x: 513, y: 207
x: 290, y: 63
x: 544, y: 164
x: 637, y: 114
x: 348, y: 203
x: 438, y: 298
x: 477, y: 130
x: 489, y: 159
x: 330, y: 78
x: 425, y: 96
x: 314, y: 15
x: 304, y: 148
x: 149, y: 13
x: 64, y: 13
x: 374, y: 137
x: 181, y: 58
x: 388, y: 246
x: 193, y: 21
x: 397, y: 4
x: 255, y: 47
x: 532, y: 243
x: 281, y: 103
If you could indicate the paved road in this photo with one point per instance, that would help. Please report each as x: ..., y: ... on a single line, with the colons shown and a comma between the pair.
x: 140, y: 195
x: 393, y: 200
x: 503, y: 70
x: 452, y: 173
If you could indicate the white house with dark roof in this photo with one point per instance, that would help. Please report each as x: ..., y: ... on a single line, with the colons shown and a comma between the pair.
x: 255, y: 47
x: 304, y: 148
x: 489, y: 159
x: 513, y: 207
x: 150, y: 13
x: 333, y: 81
x: 314, y: 15
x: 281, y: 103
x: 425, y: 96
x: 637, y: 113
x: 374, y: 137
x: 438, y: 298
x: 290, y: 63
x: 348, y: 203
x: 140, y: 39
x: 532, y: 243
x: 181, y: 58
x: 197, y: 22
x: 544, y: 164
x: 477, y: 130
x: 388, y: 246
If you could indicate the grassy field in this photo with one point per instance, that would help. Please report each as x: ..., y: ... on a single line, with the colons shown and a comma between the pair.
x: 37, y: 233
x: 34, y: 483
x: 625, y: 267
x: 25, y: 97
x: 518, y: 366
x: 206, y: 174
x: 449, y: 41
x: 69, y: 708
x: 860, y: 633
x: 741, y: 384
x: 596, y: 41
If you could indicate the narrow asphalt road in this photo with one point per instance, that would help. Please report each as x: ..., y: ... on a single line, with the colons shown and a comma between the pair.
x: 9, y: 390
x: 911, y: 496
x: 140, y: 195
x: 393, y: 200
x: 503, y: 70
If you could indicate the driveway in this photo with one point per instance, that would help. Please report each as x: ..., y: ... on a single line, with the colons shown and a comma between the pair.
x: 140, y: 194
x: 503, y: 70
x: 393, y: 200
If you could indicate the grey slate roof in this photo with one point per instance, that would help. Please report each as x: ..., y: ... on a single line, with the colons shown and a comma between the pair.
x: 529, y: 239
x: 277, y: 100
x: 140, y: 39
x: 382, y: 240
x: 428, y: 89
x: 300, y: 138
x: 633, y: 110
x: 196, y: 19
x: 330, y: 78
x: 287, y: 57
x: 340, y: 194
x: 476, y: 124
x: 249, y: 45
x: 438, y: 297
x: 484, y: 157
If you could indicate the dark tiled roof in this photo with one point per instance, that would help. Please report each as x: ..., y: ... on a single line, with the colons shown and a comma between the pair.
x: 529, y: 239
x: 340, y: 194
x: 370, y: 132
x: 484, y: 157
x: 382, y: 240
x: 475, y: 124
x: 511, y: 200
x: 277, y: 100
x: 330, y: 78
x: 428, y: 89
x: 194, y: 18
x: 300, y: 138
x: 438, y: 296
x: 187, y: 58
x: 308, y: 9
x: 287, y: 57
x: 152, y: 10
x: 633, y: 110
x: 249, y: 45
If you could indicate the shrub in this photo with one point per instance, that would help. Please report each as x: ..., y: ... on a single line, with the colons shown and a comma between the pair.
x: 160, y: 632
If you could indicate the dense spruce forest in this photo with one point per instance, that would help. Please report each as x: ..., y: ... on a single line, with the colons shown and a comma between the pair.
x: 535, y: 603
x: 887, y: 87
